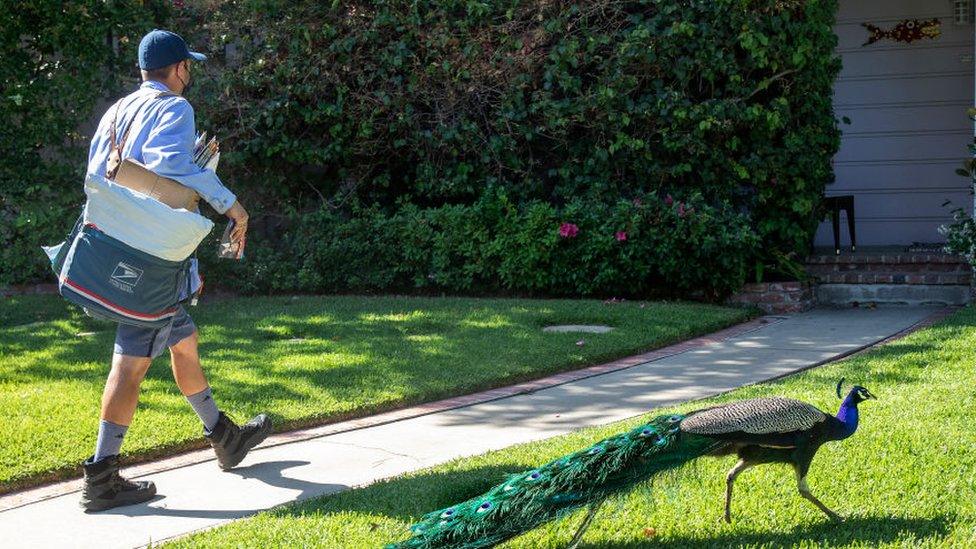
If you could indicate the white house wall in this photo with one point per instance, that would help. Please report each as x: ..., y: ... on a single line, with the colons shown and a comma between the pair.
x: 909, y: 129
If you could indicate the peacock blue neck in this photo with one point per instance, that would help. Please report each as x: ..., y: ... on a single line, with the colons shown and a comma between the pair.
x: 848, y: 416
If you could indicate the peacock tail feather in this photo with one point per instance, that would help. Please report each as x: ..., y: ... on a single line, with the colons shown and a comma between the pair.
x: 529, y: 499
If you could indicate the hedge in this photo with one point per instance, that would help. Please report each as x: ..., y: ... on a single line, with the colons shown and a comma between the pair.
x: 58, y: 60
x: 366, y: 113
x: 632, y: 248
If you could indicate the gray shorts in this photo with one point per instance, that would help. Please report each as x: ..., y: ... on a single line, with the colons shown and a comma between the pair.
x: 151, y: 342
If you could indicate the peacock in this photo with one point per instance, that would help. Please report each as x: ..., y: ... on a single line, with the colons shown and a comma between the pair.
x: 758, y: 430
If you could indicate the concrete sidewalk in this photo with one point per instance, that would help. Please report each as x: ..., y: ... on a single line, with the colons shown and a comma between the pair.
x: 332, y: 458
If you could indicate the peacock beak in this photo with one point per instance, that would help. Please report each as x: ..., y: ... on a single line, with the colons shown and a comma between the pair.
x: 867, y: 394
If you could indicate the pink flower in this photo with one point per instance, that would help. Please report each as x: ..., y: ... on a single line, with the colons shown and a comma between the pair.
x: 637, y: 202
x: 621, y: 236
x: 568, y: 230
x: 668, y: 200
x: 681, y: 209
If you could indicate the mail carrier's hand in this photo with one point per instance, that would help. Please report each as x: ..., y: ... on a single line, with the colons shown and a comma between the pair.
x: 239, y: 215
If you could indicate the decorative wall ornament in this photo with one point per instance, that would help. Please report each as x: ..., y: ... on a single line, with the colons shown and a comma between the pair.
x: 907, y: 30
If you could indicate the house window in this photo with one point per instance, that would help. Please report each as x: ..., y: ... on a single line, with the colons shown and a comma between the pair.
x: 962, y: 12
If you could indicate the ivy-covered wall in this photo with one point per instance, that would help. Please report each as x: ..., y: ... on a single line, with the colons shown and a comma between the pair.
x: 330, y: 110
x: 57, y: 61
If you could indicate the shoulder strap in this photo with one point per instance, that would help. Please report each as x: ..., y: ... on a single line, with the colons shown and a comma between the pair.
x: 115, y: 119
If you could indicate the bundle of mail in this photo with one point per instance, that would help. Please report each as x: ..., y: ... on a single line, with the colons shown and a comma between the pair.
x: 206, y: 154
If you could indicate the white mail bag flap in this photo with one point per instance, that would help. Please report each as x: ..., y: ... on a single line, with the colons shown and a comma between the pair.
x: 143, y: 222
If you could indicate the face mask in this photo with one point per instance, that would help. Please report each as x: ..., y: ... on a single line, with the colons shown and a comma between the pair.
x: 186, y: 84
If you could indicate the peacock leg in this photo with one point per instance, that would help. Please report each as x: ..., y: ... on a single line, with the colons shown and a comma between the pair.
x: 729, y: 479
x: 801, y: 484
x: 585, y: 525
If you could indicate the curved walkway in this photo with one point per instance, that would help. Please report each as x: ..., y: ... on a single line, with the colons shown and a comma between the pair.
x: 194, y: 494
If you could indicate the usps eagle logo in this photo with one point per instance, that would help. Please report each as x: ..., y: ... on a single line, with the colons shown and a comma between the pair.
x: 126, y: 275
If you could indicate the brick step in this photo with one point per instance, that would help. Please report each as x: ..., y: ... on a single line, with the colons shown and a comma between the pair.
x: 895, y: 277
x: 890, y: 267
x: 941, y: 267
x: 776, y: 297
x: 886, y: 258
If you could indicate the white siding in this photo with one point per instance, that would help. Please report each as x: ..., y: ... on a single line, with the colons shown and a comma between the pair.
x: 909, y: 128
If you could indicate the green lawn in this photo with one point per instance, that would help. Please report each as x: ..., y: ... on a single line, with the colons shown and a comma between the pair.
x: 304, y: 359
x: 907, y: 478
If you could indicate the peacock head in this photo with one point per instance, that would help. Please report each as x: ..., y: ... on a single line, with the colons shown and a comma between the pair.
x: 857, y: 393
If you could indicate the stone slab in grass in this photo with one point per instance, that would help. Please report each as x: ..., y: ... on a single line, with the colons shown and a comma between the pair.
x: 586, y: 328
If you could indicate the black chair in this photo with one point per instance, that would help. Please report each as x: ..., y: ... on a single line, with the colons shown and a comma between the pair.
x: 834, y: 204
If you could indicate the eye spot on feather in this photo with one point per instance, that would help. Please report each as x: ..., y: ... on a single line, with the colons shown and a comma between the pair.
x: 533, y: 476
x: 484, y: 507
x: 674, y: 419
x: 448, y: 513
x: 595, y: 450
x: 655, y: 437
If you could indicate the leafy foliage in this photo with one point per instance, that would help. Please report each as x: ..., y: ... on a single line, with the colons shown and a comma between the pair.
x: 628, y: 248
x: 566, y: 109
x: 368, y: 113
x: 57, y: 61
x: 961, y: 233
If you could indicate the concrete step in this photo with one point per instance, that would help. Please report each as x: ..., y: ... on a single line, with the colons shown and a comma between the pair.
x: 893, y: 294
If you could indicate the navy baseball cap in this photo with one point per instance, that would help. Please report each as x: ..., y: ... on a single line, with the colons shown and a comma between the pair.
x: 161, y: 48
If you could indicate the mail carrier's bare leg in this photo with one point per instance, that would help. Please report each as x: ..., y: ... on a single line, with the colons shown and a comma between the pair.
x: 104, y: 488
x: 230, y: 442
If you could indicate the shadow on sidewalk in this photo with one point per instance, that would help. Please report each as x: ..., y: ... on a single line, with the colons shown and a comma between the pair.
x: 269, y: 473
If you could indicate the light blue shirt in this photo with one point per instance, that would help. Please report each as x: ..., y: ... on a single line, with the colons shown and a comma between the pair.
x: 161, y: 137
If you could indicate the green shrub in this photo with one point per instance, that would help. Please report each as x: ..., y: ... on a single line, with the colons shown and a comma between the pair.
x: 435, y: 144
x: 56, y: 62
x: 432, y: 102
x: 961, y: 233
x: 630, y: 248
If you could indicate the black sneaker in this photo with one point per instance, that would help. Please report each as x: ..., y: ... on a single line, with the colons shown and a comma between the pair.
x: 231, y: 443
x: 105, y: 488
